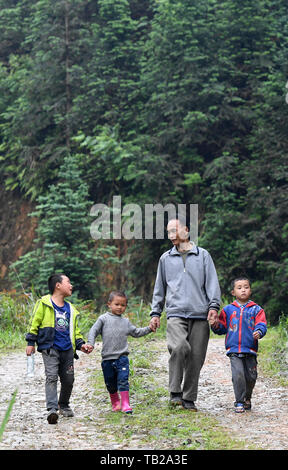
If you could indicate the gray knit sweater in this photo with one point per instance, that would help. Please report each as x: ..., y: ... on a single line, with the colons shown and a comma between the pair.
x: 114, y: 330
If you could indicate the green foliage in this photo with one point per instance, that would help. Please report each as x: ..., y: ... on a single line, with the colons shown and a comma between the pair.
x: 274, y: 351
x: 14, y: 313
x: 174, y: 101
x: 64, y: 243
x: 109, y: 82
x: 113, y: 166
x: 41, y: 84
x: 7, y: 414
x: 224, y: 218
x: 15, y: 317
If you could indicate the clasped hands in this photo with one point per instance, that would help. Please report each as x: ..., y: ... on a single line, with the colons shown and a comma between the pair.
x: 87, y: 348
x: 212, y: 319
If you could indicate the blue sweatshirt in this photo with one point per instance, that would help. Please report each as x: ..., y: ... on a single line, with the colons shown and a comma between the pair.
x: 239, y: 322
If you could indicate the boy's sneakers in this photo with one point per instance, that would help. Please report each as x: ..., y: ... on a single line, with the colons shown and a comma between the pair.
x: 247, y: 404
x: 239, y: 408
x: 66, y: 412
x: 52, y: 416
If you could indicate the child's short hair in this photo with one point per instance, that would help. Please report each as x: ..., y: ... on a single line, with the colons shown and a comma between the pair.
x: 240, y: 278
x: 52, y: 281
x: 117, y: 293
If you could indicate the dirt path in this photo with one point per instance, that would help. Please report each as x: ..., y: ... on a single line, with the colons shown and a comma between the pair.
x: 266, y: 425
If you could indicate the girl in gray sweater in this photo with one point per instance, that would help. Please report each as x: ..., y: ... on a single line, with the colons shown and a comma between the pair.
x: 114, y: 330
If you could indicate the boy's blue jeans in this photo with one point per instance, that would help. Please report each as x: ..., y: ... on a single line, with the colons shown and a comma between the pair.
x: 116, y: 374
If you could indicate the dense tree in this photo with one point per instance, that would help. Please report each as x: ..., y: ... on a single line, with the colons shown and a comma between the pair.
x: 39, y: 120
x: 249, y: 207
x: 112, y: 70
x: 179, y: 101
x: 64, y: 243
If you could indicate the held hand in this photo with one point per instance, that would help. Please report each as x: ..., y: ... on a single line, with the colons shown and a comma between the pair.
x: 87, y: 348
x: 30, y: 350
x: 154, y: 323
x: 213, y: 318
x: 257, y: 334
x: 214, y: 324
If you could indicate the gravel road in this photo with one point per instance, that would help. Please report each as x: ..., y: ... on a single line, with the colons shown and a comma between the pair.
x: 266, y: 426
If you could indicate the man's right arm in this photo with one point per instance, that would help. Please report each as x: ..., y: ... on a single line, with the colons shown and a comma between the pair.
x: 154, y: 323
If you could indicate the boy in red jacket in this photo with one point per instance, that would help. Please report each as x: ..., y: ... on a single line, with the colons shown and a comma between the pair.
x: 244, y: 323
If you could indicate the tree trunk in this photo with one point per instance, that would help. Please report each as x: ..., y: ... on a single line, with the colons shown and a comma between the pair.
x: 67, y: 75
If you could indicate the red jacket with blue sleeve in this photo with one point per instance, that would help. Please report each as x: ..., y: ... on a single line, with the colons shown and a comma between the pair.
x: 239, y: 322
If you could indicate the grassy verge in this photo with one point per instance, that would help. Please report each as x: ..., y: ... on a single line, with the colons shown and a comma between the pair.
x: 154, y: 424
x: 273, y: 352
x: 15, y: 316
x: 7, y: 414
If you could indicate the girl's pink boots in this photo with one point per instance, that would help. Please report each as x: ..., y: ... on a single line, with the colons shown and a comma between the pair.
x: 115, y: 401
x: 126, y: 408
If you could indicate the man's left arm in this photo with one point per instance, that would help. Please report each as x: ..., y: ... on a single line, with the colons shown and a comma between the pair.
x: 212, y: 288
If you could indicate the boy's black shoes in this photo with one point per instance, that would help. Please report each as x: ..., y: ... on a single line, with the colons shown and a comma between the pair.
x: 52, y: 416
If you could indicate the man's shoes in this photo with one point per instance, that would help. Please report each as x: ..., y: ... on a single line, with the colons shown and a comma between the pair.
x: 175, y: 399
x: 189, y: 405
x: 52, y: 416
x: 66, y: 412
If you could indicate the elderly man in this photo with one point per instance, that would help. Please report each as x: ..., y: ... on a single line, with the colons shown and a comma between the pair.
x: 187, y: 280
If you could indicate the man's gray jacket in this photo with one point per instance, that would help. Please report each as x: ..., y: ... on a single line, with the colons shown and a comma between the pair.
x: 190, y: 289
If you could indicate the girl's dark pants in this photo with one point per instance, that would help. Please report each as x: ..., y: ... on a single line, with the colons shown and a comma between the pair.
x: 58, y: 363
x: 116, y: 374
x: 244, y: 375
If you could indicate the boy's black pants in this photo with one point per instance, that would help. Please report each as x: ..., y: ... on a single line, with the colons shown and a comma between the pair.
x: 244, y: 375
x: 58, y: 363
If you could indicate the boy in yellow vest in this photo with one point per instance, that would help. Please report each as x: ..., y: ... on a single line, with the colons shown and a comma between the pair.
x: 55, y: 330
